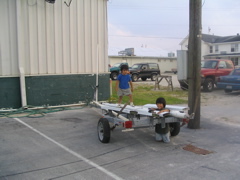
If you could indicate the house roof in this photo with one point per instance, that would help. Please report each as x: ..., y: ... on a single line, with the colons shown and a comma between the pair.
x: 220, y: 39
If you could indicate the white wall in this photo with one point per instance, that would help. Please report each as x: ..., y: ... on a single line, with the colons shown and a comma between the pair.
x: 46, y: 38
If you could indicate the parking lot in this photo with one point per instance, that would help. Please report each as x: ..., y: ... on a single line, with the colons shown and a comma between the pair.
x: 64, y: 145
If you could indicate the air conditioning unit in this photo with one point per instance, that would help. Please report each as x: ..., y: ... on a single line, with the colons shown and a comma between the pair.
x: 223, y: 52
x: 50, y: 1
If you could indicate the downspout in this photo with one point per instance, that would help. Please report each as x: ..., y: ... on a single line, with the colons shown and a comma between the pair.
x: 97, y: 75
x: 20, y: 46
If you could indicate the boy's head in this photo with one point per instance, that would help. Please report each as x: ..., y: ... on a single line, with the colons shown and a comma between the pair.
x: 161, y: 103
x: 124, y: 69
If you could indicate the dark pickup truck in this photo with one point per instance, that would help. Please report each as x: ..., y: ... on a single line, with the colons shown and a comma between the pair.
x: 144, y: 71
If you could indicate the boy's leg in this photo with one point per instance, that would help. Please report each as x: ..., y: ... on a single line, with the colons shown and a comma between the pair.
x: 130, y: 98
x: 120, y: 99
x: 166, y: 137
x: 158, y: 137
x: 120, y: 96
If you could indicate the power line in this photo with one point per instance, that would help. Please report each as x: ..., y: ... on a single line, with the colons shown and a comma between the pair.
x: 147, y: 37
x: 130, y: 24
x: 170, y: 8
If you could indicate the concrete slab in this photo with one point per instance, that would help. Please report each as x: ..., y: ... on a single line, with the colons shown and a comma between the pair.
x: 64, y: 145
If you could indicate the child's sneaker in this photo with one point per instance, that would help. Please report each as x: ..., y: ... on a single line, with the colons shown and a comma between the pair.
x: 131, y: 104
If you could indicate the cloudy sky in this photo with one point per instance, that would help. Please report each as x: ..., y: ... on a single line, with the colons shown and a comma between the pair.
x: 156, y: 27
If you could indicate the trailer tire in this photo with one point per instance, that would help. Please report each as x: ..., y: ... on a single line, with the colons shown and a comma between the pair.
x: 174, y: 128
x: 104, y: 131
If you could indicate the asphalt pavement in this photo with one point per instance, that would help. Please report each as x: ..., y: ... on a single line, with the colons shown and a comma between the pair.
x: 64, y: 145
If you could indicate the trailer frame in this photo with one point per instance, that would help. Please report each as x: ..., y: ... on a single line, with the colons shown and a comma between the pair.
x: 130, y: 118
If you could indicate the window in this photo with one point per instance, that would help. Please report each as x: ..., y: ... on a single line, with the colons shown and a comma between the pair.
x: 144, y: 67
x: 235, y: 61
x: 153, y: 66
x: 234, y: 47
x: 222, y: 64
x: 216, y: 49
x: 210, y: 49
x: 136, y: 66
x: 236, y: 72
x: 209, y: 64
x: 229, y: 65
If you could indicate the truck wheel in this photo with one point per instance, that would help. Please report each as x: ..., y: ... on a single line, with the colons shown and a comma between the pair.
x: 134, y: 77
x: 144, y: 79
x: 208, y: 85
x: 103, y: 130
x: 227, y: 90
x: 183, y: 85
x: 153, y: 77
x: 114, y: 75
x: 174, y: 128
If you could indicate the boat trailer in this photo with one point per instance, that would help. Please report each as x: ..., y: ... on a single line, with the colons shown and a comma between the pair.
x: 131, y: 118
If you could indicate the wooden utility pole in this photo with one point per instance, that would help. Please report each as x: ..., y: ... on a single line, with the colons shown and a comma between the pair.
x: 194, y: 61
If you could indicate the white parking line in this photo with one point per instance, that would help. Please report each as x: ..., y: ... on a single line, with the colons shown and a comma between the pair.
x: 71, y: 152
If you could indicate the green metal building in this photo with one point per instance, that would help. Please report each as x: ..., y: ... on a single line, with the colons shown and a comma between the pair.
x: 52, y: 54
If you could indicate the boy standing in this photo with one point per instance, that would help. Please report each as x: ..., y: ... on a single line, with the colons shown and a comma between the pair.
x: 123, y: 84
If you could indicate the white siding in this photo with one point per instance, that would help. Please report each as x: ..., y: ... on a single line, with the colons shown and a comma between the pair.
x: 8, y: 44
x: 46, y: 38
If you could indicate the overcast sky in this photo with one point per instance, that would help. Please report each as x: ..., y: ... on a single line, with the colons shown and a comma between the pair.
x: 156, y: 27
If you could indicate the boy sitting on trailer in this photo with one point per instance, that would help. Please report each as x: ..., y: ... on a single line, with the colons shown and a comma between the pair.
x: 162, y: 134
x: 123, y: 84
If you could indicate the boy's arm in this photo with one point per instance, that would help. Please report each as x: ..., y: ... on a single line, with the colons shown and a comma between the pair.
x: 131, y: 85
x: 164, y: 110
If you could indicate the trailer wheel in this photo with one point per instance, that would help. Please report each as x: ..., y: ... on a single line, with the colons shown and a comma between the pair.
x: 174, y: 128
x: 103, y: 130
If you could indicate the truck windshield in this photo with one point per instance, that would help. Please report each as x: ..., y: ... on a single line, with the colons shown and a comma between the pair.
x: 209, y: 64
x: 136, y: 66
x: 116, y: 65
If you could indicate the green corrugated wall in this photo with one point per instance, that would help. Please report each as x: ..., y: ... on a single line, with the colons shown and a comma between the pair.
x: 53, y: 90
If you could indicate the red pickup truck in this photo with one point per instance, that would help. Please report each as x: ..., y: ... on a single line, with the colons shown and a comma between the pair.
x: 211, y: 69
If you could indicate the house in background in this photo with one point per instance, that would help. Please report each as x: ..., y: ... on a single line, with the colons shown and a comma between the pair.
x: 51, y: 53
x: 218, y: 47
